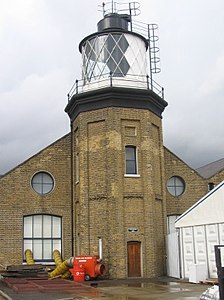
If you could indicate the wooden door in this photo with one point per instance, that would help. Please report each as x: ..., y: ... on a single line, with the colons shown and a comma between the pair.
x: 134, y: 259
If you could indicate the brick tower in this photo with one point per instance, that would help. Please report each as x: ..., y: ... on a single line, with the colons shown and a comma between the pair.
x: 118, y: 194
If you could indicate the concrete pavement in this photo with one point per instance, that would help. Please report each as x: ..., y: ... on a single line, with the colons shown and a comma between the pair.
x: 153, y: 289
x: 124, y: 289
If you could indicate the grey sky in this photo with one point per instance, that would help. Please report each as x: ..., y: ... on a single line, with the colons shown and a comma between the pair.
x: 39, y: 61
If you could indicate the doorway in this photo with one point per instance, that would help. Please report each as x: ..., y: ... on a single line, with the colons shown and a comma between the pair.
x: 134, y: 259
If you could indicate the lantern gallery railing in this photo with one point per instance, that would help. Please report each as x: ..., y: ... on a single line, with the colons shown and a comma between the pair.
x: 130, y: 81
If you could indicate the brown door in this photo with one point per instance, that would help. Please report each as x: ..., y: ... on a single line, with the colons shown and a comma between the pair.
x: 134, y: 259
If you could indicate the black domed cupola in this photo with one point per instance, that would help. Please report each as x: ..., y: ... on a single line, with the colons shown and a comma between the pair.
x: 114, y: 21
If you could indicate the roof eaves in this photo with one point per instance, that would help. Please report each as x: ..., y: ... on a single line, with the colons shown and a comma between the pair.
x: 183, y: 161
x: 25, y: 161
x: 200, y: 201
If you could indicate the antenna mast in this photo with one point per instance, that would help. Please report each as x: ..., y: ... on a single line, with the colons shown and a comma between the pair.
x: 112, y: 6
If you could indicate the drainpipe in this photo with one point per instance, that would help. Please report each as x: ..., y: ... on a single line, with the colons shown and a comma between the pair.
x: 72, y: 192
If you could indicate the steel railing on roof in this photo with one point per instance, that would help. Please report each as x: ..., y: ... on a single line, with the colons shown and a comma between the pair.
x: 130, y: 81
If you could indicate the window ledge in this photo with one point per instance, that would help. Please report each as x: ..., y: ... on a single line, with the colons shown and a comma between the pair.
x: 132, y: 175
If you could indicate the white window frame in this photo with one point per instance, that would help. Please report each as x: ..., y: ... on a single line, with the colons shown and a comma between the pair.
x: 41, y: 183
x: 136, y: 162
x: 42, y: 240
x: 77, y: 168
x: 173, y: 188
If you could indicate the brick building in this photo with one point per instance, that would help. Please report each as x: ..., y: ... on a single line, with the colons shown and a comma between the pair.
x: 110, y: 178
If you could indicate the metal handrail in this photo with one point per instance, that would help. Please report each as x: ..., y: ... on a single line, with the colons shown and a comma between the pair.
x: 132, y: 81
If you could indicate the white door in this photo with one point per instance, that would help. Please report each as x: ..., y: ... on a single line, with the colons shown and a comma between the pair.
x: 173, y: 257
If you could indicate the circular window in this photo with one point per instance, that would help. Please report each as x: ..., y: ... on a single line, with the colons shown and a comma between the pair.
x: 42, y: 183
x: 176, y: 186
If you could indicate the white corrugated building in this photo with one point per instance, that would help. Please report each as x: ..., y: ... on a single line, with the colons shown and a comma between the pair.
x: 201, y: 227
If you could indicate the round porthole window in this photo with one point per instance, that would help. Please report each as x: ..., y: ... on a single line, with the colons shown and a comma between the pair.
x: 175, y: 186
x: 42, y: 183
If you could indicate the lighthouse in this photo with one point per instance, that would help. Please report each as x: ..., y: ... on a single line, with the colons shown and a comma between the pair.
x: 117, y: 159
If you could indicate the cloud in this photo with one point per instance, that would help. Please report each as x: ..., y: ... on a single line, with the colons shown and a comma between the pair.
x: 33, y: 116
x: 214, y: 81
x: 39, y: 61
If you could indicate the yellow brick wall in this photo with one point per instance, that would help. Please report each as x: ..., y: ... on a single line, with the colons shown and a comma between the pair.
x: 196, y: 186
x: 109, y: 202
x: 106, y: 203
x: 216, y: 179
x: 18, y: 199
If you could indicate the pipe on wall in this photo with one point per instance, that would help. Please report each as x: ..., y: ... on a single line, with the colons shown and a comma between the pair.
x: 100, y: 248
x: 72, y: 190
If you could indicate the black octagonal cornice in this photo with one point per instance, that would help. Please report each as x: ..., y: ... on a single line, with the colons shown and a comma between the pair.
x: 115, y: 97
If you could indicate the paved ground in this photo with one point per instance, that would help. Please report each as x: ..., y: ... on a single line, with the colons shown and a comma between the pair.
x: 154, y: 290
x: 127, y: 289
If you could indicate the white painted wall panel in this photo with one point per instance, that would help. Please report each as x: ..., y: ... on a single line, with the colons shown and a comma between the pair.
x: 197, y: 247
x: 212, y: 240
x: 200, y: 245
x: 188, y: 250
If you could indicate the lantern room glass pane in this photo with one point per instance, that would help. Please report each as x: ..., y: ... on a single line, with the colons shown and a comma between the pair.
x: 105, y: 54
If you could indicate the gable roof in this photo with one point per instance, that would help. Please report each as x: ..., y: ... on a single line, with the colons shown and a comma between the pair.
x: 179, y: 159
x: 25, y: 161
x: 211, y: 169
x: 208, y: 210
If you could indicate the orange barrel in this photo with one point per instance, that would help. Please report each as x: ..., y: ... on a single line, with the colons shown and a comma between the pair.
x: 78, y: 272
